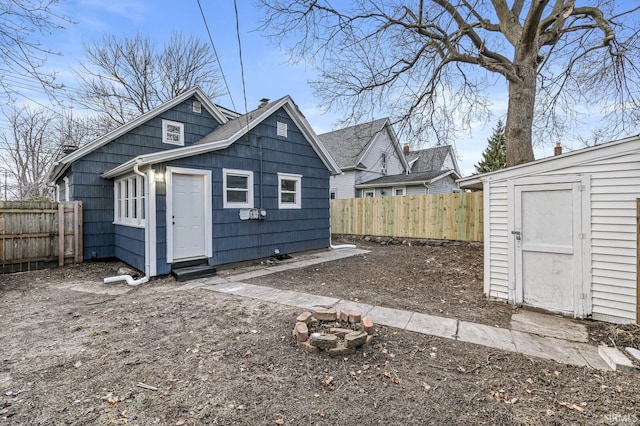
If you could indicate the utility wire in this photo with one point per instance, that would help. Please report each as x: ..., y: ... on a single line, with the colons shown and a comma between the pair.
x: 244, y: 87
x: 204, y: 19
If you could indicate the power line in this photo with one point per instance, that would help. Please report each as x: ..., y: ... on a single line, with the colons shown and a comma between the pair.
x: 204, y: 19
x: 244, y: 88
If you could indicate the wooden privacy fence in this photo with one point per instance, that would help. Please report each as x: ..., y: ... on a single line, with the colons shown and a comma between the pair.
x: 33, y: 234
x: 440, y: 216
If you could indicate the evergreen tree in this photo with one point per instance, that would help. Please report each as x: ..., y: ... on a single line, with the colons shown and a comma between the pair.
x: 494, y: 156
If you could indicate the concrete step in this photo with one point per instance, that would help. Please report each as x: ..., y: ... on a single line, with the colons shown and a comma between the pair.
x: 616, y: 359
x: 193, y: 272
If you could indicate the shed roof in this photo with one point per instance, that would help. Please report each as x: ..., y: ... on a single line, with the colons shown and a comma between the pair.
x: 580, y: 156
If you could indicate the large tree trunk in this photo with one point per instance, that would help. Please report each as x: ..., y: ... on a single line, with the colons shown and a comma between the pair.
x: 518, y: 129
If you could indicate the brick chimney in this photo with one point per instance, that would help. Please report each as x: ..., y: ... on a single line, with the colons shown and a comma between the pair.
x: 263, y: 102
x: 557, y: 150
x: 405, y: 149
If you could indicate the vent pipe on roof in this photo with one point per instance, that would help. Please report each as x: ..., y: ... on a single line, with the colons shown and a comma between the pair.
x: 557, y: 150
x: 263, y: 103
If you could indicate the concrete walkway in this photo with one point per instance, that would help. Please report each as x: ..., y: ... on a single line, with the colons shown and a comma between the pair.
x: 531, y: 334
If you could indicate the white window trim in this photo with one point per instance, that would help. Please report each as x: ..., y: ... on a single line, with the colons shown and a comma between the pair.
x: 333, y: 191
x: 119, y: 208
x: 234, y: 205
x: 166, y: 123
x: 365, y: 191
x: 403, y: 188
x: 298, y: 191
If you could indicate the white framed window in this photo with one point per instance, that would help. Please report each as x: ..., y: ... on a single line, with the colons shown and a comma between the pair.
x: 399, y: 191
x: 281, y: 129
x: 129, y: 196
x: 333, y: 193
x: 237, y: 188
x: 289, y: 191
x: 172, y: 132
x: 369, y: 193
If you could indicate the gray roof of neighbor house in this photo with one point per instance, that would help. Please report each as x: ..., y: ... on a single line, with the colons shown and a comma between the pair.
x: 412, y: 178
x: 430, y: 159
x: 347, y: 145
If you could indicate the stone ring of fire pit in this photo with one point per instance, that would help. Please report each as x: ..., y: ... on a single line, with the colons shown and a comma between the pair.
x: 334, y: 333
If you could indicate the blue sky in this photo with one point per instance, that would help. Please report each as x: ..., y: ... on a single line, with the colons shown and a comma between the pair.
x: 267, y: 75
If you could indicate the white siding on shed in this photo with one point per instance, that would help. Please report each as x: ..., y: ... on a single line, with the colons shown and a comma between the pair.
x: 613, y: 173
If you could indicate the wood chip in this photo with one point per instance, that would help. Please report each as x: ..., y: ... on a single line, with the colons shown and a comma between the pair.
x: 572, y: 406
x: 146, y: 386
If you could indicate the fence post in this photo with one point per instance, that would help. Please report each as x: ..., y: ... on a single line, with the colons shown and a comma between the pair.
x: 60, y: 234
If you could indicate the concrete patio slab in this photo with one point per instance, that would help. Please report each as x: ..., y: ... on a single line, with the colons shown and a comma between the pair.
x: 350, y: 306
x: 549, y: 325
x: 285, y: 297
x: 390, y: 317
x: 112, y: 289
x: 486, y: 335
x: 548, y: 348
x: 436, y: 326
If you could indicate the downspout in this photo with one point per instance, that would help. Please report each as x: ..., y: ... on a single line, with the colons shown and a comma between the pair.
x: 426, y: 186
x: 147, y: 262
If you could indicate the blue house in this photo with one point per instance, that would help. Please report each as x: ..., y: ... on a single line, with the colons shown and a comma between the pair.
x: 190, y: 181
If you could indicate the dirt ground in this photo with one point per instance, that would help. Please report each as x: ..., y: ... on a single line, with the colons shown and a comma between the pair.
x: 165, y: 354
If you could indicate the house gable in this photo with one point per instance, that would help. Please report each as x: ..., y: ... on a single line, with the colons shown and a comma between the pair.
x: 103, y: 239
x: 191, y: 95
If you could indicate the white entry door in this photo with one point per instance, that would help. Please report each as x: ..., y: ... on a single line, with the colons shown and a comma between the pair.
x: 188, y: 216
x: 548, y: 248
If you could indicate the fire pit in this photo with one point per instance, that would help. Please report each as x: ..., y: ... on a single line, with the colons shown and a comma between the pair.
x: 334, y: 333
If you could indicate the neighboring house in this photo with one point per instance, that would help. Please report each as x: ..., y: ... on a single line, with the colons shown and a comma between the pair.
x: 431, y: 171
x: 188, y: 181
x: 561, y: 232
x: 363, y: 152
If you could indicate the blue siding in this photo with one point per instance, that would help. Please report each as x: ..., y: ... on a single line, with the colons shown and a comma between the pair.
x: 129, y: 245
x: 100, y: 236
x: 290, y: 230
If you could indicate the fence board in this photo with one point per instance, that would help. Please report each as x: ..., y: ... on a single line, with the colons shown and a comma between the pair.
x: 34, y: 233
x: 439, y: 216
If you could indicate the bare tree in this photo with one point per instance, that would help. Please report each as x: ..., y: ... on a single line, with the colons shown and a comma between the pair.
x: 21, y: 54
x: 123, y: 78
x: 29, y: 150
x: 35, y: 139
x: 433, y: 63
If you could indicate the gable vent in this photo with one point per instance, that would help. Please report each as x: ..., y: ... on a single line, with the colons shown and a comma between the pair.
x: 197, y: 107
x: 282, y: 129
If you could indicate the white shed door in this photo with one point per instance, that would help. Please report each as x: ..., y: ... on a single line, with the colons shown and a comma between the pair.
x: 547, y: 247
x: 188, y: 216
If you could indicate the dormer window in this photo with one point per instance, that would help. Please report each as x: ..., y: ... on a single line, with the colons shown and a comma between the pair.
x: 172, y: 132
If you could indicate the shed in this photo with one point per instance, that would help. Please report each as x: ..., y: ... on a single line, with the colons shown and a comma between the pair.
x: 561, y: 233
